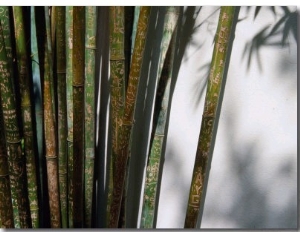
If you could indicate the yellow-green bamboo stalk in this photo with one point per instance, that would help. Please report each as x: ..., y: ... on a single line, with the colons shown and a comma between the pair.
x: 89, y: 85
x: 13, y: 143
x: 6, y: 209
x: 212, y: 97
x: 117, y: 86
x: 127, y: 119
x: 61, y: 109
x: 78, y: 112
x: 161, y: 106
x: 27, y: 118
x: 69, y: 77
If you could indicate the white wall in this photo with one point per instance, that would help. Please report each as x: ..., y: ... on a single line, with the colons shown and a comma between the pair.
x: 253, y: 176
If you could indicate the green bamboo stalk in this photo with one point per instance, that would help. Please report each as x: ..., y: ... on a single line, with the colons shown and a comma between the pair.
x: 6, y: 209
x: 117, y: 85
x: 127, y: 119
x: 27, y: 118
x: 161, y: 106
x: 69, y: 76
x: 5, y: 21
x: 209, y: 114
x: 53, y: 17
x: 90, y: 49
x: 50, y: 52
x: 13, y: 143
x: 78, y: 112
x: 51, y: 147
x: 60, y: 15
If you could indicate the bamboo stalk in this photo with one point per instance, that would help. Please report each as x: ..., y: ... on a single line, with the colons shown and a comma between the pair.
x: 69, y: 76
x: 13, y: 143
x: 127, y: 119
x: 51, y: 144
x: 5, y: 21
x: 90, y: 52
x: 6, y: 209
x: 78, y: 112
x: 161, y: 106
x: 134, y: 27
x: 212, y: 97
x: 117, y: 85
x: 27, y: 118
x: 62, y: 110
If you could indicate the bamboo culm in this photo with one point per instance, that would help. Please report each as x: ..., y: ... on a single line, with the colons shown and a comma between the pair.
x: 16, y: 159
x: 78, y: 113
x: 51, y: 144
x: 27, y: 118
x: 69, y: 88
x: 6, y: 209
x: 209, y: 114
x: 127, y: 119
x: 89, y: 89
x: 161, y: 106
x: 117, y: 85
x: 62, y: 110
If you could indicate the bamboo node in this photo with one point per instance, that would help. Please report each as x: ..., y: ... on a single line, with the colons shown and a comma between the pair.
x: 91, y: 47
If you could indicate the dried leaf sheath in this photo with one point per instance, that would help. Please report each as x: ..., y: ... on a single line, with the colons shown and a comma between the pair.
x: 13, y: 142
x: 78, y: 113
x: 51, y: 146
x: 27, y: 118
x: 90, y: 52
x: 6, y: 209
x: 127, y: 119
x: 62, y: 110
x: 209, y: 114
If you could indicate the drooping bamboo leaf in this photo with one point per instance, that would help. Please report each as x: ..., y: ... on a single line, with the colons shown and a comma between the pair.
x: 6, y: 209
x: 13, y: 142
x: 62, y: 110
x: 161, y: 106
x: 27, y: 118
x: 69, y: 76
x: 51, y: 143
x: 78, y: 112
x: 89, y: 85
x: 127, y: 119
x: 212, y: 97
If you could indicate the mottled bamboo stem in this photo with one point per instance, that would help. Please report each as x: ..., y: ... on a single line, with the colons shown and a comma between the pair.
x: 78, y: 112
x: 69, y: 88
x: 90, y: 52
x: 13, y: 143
x: 209, y: 114
x: 27, y: 118
x: 6, y: 209
x: 127, y: 119
x: 62, y: 110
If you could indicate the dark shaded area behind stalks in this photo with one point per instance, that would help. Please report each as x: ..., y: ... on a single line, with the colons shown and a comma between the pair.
x: 43, y: 194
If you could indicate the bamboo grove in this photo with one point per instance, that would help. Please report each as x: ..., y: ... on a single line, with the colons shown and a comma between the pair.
x: 49, y: 83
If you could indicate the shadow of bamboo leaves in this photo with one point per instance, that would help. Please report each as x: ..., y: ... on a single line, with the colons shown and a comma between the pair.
x: 268, y: 36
